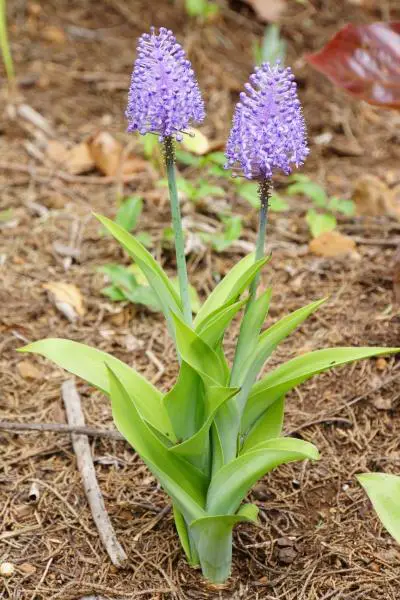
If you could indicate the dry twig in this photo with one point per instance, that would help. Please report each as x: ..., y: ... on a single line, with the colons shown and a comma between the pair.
x: 60, y: 428
x: 81, y: 448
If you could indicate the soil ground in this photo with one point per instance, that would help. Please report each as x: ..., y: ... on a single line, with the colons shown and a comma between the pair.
x: 318, y: 537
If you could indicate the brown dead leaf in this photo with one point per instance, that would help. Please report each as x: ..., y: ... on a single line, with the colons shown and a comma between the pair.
x: 79, y: 159
x: 28, y: 370
x: 57, y: 152
x: 54, y: 34
x: 67, y: 298
x: 107, y: 153
x: 27, y: 568
x: 373, y: 197
x: 268, y: 10
x: 332, y: 243
x: 382, y: 403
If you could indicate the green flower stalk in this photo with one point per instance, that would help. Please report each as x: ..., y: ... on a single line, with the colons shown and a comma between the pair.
x: 178, y: 230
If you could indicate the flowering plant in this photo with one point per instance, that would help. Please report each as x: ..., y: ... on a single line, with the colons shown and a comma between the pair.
x: 218, y: 430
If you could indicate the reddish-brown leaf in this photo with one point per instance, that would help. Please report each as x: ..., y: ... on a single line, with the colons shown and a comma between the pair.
x: 365, y: 61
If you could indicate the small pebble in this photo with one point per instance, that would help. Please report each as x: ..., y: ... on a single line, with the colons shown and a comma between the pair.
x: 6, y: 569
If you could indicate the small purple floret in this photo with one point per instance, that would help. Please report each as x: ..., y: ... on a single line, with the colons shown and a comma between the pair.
x: 268, y: 130
x: 164, y: 96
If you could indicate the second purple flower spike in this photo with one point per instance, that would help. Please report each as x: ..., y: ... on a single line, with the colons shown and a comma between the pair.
x: 164, y: 96
x: 268, y: 129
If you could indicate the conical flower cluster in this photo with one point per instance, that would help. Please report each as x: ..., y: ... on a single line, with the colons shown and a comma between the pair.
x: 164, y: 96
x: 268, y: 130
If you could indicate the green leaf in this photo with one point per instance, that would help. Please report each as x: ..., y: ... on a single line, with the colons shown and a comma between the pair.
x: 127, y: 286
x: 277, y: 203
x: 144, y: 238
x: 250, y: 328
x: 90, y: 364
x: 129, y: 212
x: 266, y: 344
x: 233, y: 481
x: 296, y: 371
x: 231, y: 287
x: 268, y: 426
x: 249, y: 191
x: 185, y: 402
x: 114, y: 293
x: 158, y: 280
x: 217, y: 158
x: 312, y: 190
x: 346, y: 207
x: 196, y: 448
x: 273, y: 47
x: 198, y: 354
x: 384, y: 492
x: 183, y: 534
x: 205, y: 189
x: 212, y: 329
x: 213, y: 537
x: 320, y: 222
x: 182, y: 481
x: 187, y: 158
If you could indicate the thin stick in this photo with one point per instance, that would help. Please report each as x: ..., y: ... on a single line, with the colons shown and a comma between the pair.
x: 60, y: 428
x: 178, y: 231
x: 81, y: 448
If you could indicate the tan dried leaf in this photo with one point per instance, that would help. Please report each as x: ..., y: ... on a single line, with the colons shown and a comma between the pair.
x: 28, y: 370
x: 67, y: 298
x: 373, y: 197
x: 27, y: 568
x: 268, y: 10
x: 54, y: 34
x: 57, y: 152
x: 79, y: 159
x: 332, y: 243
x: 106, y: 152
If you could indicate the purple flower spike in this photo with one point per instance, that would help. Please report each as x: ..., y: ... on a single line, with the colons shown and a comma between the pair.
x: 164, y: 96
x: 268, y: 130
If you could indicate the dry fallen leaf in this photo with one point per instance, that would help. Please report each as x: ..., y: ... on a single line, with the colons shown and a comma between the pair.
x: 28, y: 370
x: 57, y: 152
x: 364, y: 61
x: 332, y: 243
x: 268, y: 10
x: 27, y: 568
x: 54, y: 34
x: 107, y: 154
x: 382, y: 403
x: 67, y: 298
x: 79, y: 159
x: 196, y: 142
x: 373, y: 197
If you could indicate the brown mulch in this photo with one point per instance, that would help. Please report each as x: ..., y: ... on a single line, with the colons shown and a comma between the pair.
x: 318, y: 537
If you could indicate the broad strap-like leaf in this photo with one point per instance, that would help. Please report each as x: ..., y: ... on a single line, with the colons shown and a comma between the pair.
x: 183, y: 533
x: 384, y: 492
x: 233, y: 481
x: 90, y: 364
x: 266, y: 344
x: 252, y: 322
x: 213, y: 538
x: 296, y: 371
x: 212, y: 329
x: 268, y: 426
x: 185, y: 402
x: 231, y: 287
x: 183, y: 482
x: 158, y: 280
x: 196, y: 448
x: 199, y: 355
